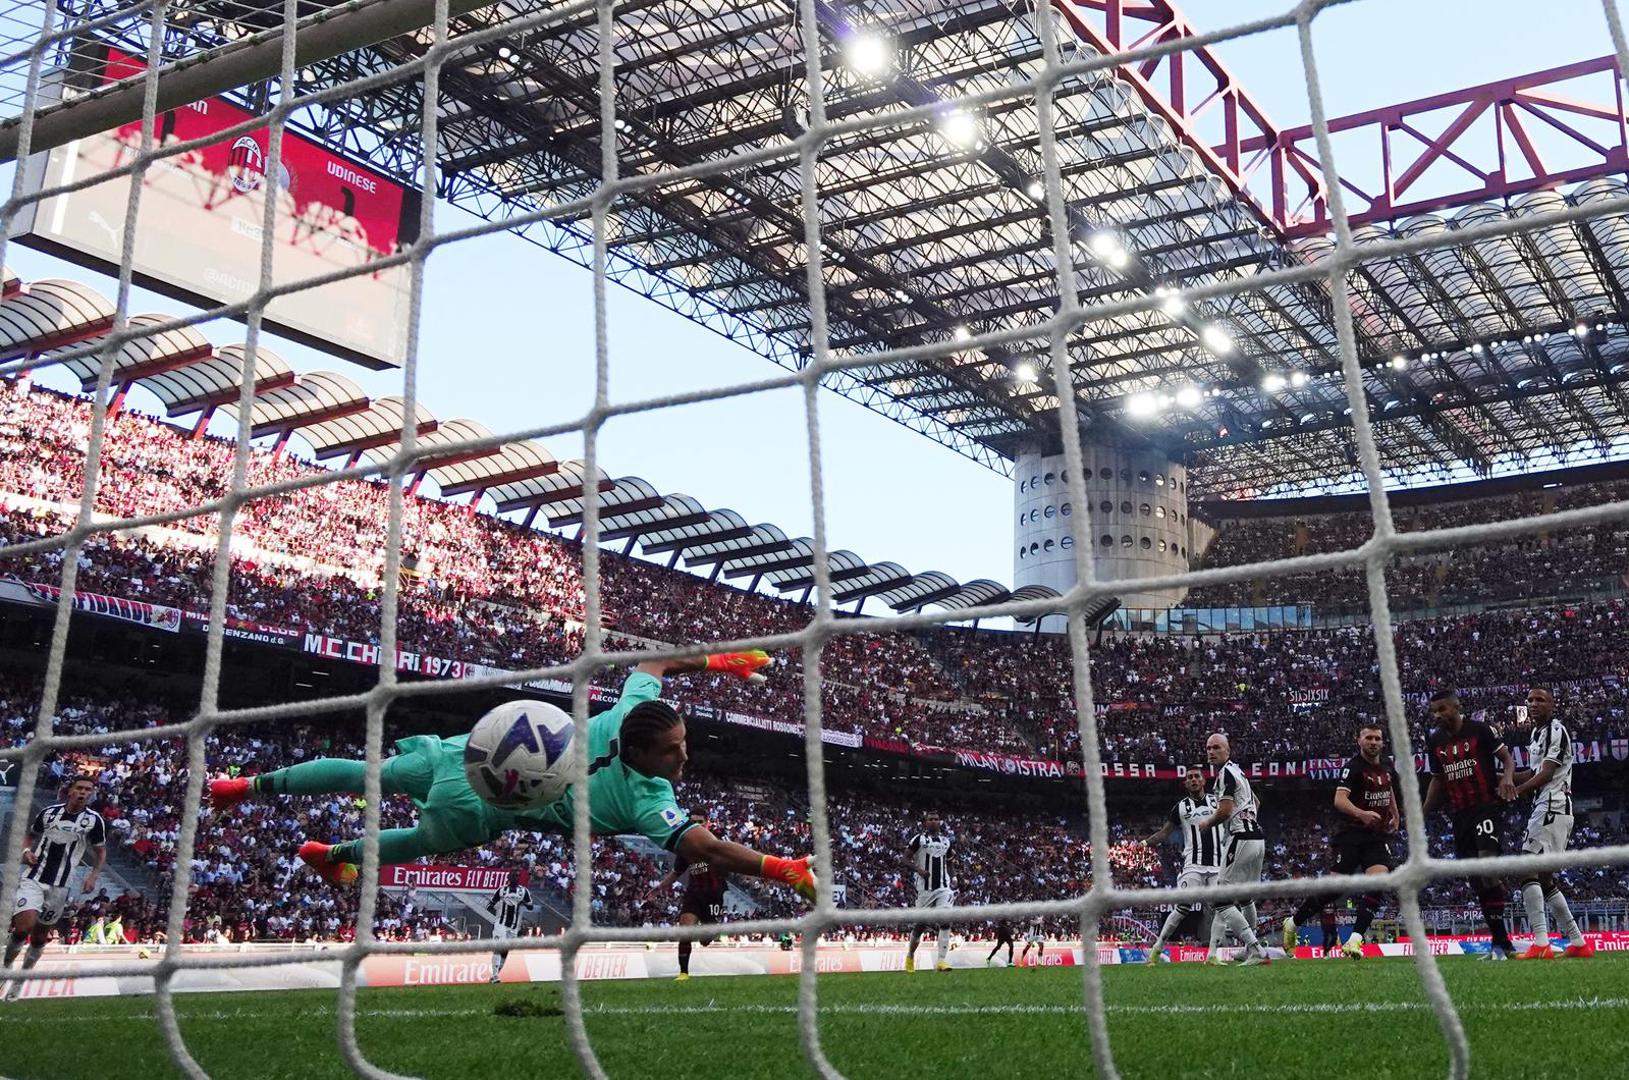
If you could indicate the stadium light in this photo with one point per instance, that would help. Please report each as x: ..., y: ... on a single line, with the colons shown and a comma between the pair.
x: 1273, y: 383
x: 1142, y: 405
x: 1174, y: 305
x: 1108, y: 249
x: 1398, y: 363
x: 1476, y: 349
x: 1036, y: 190
x: 1024, y: 372
x: 1298, y: 379
x: 1216, y: 340
x: 1188, y: 397
x: 961, y: 334
x: 869, y: 55
x: 960, y: 129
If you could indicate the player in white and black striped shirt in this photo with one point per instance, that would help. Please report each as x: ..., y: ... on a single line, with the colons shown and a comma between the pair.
x: 58, y: 837
x: 1246, y: 849
x: 1201, y: 855
x: 1550, y: 754
x: 928, y: 860
x: 507, y: 904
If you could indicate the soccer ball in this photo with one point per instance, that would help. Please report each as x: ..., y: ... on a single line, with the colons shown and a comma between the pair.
x: 516, y: 758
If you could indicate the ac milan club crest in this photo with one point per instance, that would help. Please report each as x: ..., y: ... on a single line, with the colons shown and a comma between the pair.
x: 246, y: 165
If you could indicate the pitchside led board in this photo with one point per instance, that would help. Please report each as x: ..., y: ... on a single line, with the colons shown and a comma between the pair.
x: 199, y: 224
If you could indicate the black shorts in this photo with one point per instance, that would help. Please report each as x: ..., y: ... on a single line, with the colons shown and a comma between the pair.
x: 1477, y: 832
x: 1357, y: 850
x: 704, y: 908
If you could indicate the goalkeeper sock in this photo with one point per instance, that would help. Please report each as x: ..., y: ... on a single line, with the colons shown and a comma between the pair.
x: 323, y: 776
x: 1564, y: 921
x: 1537, y: 919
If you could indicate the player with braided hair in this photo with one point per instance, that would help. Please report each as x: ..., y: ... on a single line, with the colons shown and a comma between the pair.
x: 636, y: 750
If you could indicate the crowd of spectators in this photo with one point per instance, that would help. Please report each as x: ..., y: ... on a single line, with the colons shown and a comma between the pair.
x: 1573, y: 563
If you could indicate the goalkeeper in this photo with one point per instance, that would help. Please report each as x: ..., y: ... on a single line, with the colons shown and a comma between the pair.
x: 635, y: 752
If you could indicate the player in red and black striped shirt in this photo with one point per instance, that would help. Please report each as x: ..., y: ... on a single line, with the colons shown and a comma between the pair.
x: 1473, y: 771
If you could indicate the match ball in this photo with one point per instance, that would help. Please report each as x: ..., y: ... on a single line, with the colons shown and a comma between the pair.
x: 517, y: 756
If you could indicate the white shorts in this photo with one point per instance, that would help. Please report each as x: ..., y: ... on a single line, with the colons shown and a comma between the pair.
x: 501, y: 931
x: 1547, y: 832
x: 1242, y: 863
x: 48, y: 900
x: 1192, y: 877
x: 935, y: 898
x: 1032, y: 938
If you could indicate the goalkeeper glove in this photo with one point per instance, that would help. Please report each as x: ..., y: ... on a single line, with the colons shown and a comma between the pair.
x: 743, y: 665
x: 793, y: 872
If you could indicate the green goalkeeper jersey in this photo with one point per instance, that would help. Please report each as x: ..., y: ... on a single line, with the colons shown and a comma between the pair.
x: 620, y: 799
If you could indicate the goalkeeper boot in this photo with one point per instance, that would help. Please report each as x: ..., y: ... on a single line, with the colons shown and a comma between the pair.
x: 1580, y: 952
x: 1290, y: 935
x: 315, y: 855
x: 227, y: 791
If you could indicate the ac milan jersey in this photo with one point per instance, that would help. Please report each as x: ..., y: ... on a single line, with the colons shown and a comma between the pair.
x: 64, y: 838
x: 1201, y: 848
x: 1372, y: 786
x: 1467, y: 763
x: 702, y: 882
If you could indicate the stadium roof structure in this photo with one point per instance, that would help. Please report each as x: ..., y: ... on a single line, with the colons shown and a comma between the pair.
x: 933, y: 233
x: 189, y: 375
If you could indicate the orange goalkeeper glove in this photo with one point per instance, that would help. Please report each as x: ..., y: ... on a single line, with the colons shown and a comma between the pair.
x: 743, y: 665
x: 793, y: 872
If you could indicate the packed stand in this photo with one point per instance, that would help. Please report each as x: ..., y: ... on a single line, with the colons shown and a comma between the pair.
x: 1569, y: 563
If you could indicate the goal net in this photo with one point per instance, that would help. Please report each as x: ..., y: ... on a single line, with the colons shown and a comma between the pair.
x: 76, y: 71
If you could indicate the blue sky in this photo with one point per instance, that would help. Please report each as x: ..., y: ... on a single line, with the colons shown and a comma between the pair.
x: 508, y: 331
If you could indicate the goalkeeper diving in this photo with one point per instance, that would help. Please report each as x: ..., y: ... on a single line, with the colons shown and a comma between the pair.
x: 635, y: 752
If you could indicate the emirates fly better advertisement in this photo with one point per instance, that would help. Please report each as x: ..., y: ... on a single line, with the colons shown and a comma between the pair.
x: 199, y: 224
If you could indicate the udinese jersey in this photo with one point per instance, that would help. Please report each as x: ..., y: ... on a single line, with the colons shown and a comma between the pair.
x: 620, y: 798
x: 931, y: 854
x: 1201, y: 848
x: 1230, y: 783
x: 508, y: 902
x: 1372, y: 786
x: 1551, y: 742
x: 64, y: 837
x: 702, y: 883
x: 1467, y: 763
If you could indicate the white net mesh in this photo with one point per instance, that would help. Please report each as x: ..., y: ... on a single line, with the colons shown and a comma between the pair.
x: 258, y: 48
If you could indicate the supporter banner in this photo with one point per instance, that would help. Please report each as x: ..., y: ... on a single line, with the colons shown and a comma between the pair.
x: 1039, y: 768
x: 827, y: 735
x: 167, y: 619
x: 408, y: 660
x: 252, y: 632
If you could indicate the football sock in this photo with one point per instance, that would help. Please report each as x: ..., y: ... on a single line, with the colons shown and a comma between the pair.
x: 1233, y: 920
x: 941, y: 947
x: 1172, y: 922
x: 916, y: 939
x: 320, y: 777
x: 497, y: 964
x: 1250, y: 920
x: 1311, y: 906
x: 14, y: 945
x: 1329, y: 929
x: 32, y: 956
x: 1564, y: 921
x: 684, y: 956
x: 1537, y: 919
x: 1367, y: 905
x: 395, y: 846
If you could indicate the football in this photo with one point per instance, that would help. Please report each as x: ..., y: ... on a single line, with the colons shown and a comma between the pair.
x: 516, y: 756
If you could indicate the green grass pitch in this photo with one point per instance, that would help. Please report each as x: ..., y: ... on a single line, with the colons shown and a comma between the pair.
x: 1323, y: 1019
